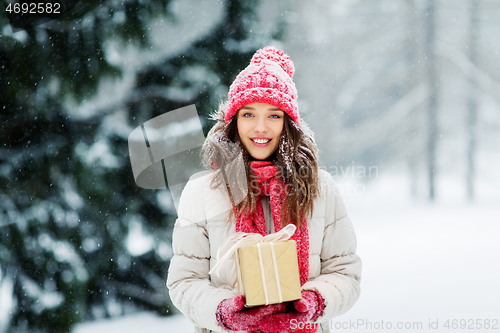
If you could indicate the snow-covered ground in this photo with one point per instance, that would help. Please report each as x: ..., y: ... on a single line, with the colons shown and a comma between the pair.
x: 423, y: 264
x: 138, y: 323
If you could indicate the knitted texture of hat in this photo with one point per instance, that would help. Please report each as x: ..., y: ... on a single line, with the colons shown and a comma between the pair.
x: 268, y: 79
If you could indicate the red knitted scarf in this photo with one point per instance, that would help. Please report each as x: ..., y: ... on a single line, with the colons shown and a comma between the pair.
x: 274, y: 187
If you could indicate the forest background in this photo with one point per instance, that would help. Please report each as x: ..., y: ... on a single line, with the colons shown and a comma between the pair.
x: 407, y: 91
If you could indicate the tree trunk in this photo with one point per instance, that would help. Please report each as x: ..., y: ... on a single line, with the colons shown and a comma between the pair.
x: 433, y: 101
x: 472, y: 102
x: 416, y: 53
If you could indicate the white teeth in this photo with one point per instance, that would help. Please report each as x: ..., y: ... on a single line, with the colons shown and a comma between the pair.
x: 261, y: 140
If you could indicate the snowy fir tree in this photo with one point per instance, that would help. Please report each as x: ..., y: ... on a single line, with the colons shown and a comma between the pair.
x: 71, y: 215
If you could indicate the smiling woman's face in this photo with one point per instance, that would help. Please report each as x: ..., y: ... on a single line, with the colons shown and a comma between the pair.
x: 259, y: 127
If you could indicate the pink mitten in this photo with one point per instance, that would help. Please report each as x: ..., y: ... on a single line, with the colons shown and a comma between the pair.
x: 232, y: 316
x: 307, y: 309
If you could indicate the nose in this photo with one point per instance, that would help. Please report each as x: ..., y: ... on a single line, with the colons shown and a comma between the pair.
x: 260, y: 125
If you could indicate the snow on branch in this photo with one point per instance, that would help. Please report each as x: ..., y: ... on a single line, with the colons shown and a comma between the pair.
x: 471, y: 71
x: 370, y: 132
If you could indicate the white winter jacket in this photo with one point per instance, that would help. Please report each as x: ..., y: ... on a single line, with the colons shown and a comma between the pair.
x: 203, y: 224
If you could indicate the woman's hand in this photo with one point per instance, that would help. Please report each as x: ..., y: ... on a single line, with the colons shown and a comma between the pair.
x: 305, y: 310
x: 232, y: 316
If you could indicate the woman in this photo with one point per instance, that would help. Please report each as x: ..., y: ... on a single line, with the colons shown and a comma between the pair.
x: 283, y: 184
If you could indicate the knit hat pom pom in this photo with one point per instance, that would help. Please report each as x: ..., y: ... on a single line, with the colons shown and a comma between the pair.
x: 278, y: 56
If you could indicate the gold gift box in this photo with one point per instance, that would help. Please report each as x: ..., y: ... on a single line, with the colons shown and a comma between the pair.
x: 277, y: 273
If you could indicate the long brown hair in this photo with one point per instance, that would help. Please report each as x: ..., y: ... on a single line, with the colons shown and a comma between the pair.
x: 296, y: 159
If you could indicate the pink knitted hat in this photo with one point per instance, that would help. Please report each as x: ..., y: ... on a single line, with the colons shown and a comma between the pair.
x: 268, y: 79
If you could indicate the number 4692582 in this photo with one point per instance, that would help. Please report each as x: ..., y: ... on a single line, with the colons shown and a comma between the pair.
x: 33, y: 8
x: 471, y: 324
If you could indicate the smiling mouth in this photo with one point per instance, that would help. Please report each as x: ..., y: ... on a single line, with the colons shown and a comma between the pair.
x: 261, y: 140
